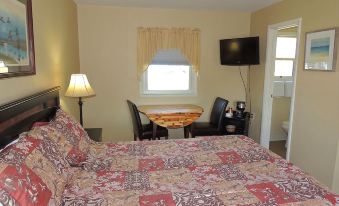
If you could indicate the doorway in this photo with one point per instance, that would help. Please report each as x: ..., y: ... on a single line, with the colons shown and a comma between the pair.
x: 279, y: 89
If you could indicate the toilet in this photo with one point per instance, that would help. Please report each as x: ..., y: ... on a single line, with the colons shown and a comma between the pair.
x: 285, y: 126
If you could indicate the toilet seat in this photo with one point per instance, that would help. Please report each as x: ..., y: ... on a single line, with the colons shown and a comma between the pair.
x: 285, y: 125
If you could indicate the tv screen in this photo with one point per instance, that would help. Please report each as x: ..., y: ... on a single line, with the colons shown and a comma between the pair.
x: 239, y: 51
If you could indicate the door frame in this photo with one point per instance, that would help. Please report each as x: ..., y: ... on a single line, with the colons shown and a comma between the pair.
x: 268, y: 85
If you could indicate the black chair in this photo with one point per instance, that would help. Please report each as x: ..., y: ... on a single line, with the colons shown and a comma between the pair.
x: 144, y: 131
x: 216, y: 124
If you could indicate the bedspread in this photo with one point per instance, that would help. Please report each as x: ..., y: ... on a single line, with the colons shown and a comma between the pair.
x: 206, y: 171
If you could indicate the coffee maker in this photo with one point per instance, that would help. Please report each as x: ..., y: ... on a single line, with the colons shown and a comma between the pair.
x: 241, y: 106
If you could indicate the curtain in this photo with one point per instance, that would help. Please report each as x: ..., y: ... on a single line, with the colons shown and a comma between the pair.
x: 151, y: 40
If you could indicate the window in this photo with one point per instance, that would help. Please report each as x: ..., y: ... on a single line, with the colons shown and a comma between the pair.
x: 169, y: 74
x: 284, y: 65
x: 285, y: 55
x: 169, y: 80
x: 283, y: 68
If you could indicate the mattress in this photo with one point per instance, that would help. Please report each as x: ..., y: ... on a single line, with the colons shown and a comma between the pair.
x: 206, y: 171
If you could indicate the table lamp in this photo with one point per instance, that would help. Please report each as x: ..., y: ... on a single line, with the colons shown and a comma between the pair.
x: 79, y: 87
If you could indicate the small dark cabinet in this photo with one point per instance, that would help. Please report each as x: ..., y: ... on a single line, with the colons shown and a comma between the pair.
x: 94, y: 133
x: 241, y: 124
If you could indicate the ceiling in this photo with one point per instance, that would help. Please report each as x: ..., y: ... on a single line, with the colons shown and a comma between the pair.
x: 235, y: 5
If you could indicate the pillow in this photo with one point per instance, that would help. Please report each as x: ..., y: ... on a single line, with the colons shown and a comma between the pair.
x: 74, y: 132
x: 32, y: 172
x: 39, y: 124
x: 96, y: 164
x: 76, y: 137
x: 72, y: 154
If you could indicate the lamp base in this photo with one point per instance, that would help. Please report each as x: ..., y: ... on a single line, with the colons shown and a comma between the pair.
x: 80, y: 107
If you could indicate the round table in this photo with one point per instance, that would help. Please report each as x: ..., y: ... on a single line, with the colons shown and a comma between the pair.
x: 171, y: 116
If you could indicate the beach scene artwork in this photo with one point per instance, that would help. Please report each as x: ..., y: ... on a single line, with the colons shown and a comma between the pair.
x: 320, y: 50
x: 13, y: 33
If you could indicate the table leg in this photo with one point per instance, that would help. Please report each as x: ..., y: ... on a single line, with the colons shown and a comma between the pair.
x: 186, y: 131
x: 154, y: 131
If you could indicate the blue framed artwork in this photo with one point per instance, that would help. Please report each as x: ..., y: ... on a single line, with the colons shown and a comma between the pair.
x: 321, y: 50
x: 17, y: 56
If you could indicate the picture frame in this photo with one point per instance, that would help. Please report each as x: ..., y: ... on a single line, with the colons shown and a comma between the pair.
x: 17, y: 55
x: 321, y: 50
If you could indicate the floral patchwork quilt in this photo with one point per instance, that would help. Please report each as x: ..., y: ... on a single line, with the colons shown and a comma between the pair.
x: 206, y: 171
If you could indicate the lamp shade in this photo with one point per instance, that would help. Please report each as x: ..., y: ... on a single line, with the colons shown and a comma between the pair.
x: 79, y: 87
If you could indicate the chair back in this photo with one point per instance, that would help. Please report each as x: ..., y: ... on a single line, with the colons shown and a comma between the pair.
x: 137, y: 125
x: 218, y: 112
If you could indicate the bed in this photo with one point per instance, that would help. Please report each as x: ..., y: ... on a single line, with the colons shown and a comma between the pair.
x: 207, y: 171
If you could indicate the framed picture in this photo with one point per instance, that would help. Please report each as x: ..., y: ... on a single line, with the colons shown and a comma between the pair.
x: 16, y: 38
x: 321, y: 50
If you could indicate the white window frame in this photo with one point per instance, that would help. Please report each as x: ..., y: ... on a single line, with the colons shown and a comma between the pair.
x: 286, y: 78
x: 191, y: 92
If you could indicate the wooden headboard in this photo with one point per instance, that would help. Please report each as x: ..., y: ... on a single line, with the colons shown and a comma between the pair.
x: 19, y: 116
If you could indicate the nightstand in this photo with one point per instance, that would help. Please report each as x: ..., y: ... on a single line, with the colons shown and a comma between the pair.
x: 241, y: 124
x: 94, y: 133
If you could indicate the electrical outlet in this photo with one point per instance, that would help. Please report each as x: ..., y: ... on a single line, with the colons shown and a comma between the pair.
x: 252, y: 116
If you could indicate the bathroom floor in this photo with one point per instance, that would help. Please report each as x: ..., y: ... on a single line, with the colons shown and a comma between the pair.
x: 279, y: 148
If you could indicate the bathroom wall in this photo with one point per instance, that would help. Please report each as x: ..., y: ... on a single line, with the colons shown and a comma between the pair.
x: 280, y: 112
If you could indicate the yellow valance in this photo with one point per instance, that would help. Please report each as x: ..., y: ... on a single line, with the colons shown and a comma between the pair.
x: 151, y: 40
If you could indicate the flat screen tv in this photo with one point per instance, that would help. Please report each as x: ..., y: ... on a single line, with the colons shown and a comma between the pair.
x: 239, y: 51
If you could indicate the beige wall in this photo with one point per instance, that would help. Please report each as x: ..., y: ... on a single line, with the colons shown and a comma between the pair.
x: 316, y: 132
x: 108, y: 37
x: 56, y: 52
x: 335, y: 184
x: 280, y: 112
